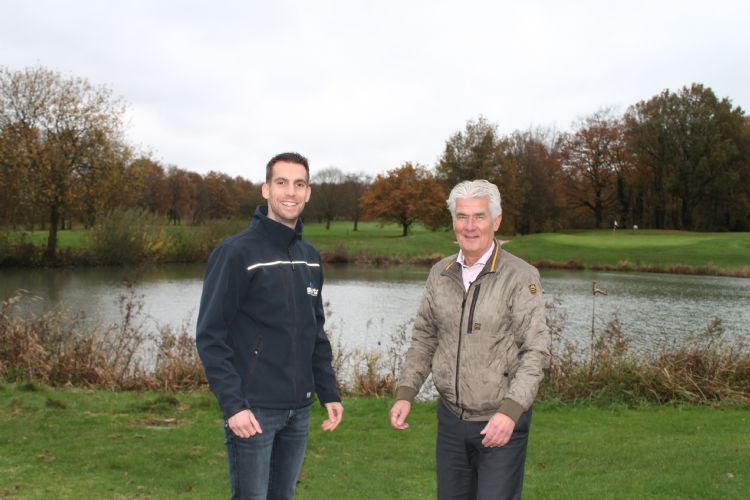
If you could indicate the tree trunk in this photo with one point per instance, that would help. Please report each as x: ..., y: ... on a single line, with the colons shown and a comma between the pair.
x: 687, y: 216
x: 54, y: 220
x: 598, y: 213
x: 660, y: 204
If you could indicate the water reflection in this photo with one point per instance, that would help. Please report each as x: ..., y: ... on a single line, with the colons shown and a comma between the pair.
x: 367, y: 303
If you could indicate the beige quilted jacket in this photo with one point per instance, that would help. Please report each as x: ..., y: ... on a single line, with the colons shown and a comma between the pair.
x: 486, y: 347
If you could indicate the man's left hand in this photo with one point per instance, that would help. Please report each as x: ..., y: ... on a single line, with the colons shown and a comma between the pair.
x: 498, y: 430
x: 335, y: 414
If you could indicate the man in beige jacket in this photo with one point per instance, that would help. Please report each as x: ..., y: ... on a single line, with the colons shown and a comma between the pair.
x: 481, y: 332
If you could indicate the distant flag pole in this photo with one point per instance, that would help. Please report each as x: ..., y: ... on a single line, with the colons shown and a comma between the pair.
x: 594, y: 292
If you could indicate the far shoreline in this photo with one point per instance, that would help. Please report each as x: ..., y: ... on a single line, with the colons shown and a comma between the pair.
x: 428, y: 260
x: 649, y: 251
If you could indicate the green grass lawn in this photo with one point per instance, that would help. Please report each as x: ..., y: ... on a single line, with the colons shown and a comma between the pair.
x: 371, y: 239
x: 643, y: 247
x: 75, y: 443
x: 74, y: 238
x: 662, y: 249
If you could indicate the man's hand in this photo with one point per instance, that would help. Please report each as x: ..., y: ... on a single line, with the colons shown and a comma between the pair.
x: 335, y: 414
x: 244, y: 425
x: 399, y: 412
x: 498, y: 430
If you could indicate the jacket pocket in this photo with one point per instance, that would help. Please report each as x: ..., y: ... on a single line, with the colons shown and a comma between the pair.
x: 253, y: 360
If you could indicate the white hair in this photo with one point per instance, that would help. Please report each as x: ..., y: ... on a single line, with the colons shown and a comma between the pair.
x: 476, y: 189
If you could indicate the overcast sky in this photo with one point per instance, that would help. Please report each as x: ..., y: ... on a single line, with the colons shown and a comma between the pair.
x: 368, y: 85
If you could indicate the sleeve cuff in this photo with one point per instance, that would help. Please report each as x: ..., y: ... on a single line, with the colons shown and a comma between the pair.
x: 328, y: 397
x: 229, y: 414
x: 405, y: 393
x: 511, y: 408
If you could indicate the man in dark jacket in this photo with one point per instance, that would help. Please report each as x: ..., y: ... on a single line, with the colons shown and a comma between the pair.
x: 261, y: 340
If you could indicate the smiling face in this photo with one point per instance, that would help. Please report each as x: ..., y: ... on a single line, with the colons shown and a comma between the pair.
x: 286, y: 192
x: 475, y: 227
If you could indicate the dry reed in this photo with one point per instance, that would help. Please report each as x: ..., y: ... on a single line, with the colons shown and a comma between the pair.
x: 58, y: 349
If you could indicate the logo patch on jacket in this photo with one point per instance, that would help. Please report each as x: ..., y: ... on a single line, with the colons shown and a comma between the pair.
x: 532, y: 289
x: 311, y: 290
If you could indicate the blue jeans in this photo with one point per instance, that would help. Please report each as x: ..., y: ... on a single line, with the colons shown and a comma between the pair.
x: 267, y: 465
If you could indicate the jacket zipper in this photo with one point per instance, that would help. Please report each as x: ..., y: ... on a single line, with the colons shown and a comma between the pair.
x: 460, y: 334
x: 295, y: 338
x: 458, y: 351
x: 470, y: 326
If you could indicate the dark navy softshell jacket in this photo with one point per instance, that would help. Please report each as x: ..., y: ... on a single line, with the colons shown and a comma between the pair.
x: 260, y: 329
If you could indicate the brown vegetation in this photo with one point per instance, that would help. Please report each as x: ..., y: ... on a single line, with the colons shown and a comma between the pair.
x: 59, y: 350
x: 706, y: 369
x: 625, y: 265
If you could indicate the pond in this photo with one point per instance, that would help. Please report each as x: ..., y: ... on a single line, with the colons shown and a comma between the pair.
x: 367, y: 305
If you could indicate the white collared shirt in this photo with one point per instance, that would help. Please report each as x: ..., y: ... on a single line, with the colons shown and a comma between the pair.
x: 470, y: 273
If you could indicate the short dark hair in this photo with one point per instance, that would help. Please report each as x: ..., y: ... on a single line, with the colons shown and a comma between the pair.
x: 289, y: 158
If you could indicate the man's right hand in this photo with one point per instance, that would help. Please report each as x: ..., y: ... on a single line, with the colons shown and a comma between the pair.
x: 244, y: 425
x: 399, y: 412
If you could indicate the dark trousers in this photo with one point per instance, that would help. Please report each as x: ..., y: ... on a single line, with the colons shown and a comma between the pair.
x: 467, y: 470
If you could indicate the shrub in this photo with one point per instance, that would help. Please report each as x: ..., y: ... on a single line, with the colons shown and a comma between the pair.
x: 706, y: 369
x: 183, y: 244
x: 20, y: 251
x: 194, y: 244
x: 178, y: 366
x: 57, y: 349
x: 5, y: 247
x: 124, y: 236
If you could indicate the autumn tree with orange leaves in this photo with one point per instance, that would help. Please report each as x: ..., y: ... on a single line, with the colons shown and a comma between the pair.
x: 405, y: 195
x: 61, y: 143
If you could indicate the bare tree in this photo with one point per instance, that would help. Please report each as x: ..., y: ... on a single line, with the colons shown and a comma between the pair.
x: 356, y: 185
x: 591, y: 160
x: 327, y: 184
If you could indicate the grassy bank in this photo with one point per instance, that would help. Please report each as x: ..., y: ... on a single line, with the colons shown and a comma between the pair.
x: 670, y: 251
x: 643, y: 250
x: 372, y: 243
x: 75, y: 443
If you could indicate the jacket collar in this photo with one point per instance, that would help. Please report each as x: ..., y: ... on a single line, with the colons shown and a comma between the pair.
x: 276, y: 231
x: 454, y: 268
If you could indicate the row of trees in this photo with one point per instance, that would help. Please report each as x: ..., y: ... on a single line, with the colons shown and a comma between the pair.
x: 677, y: 160
x: 63, y: 159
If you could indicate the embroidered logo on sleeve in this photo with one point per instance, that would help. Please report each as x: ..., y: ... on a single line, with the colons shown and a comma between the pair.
x: 311, y: 290
x: 532, y: 289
